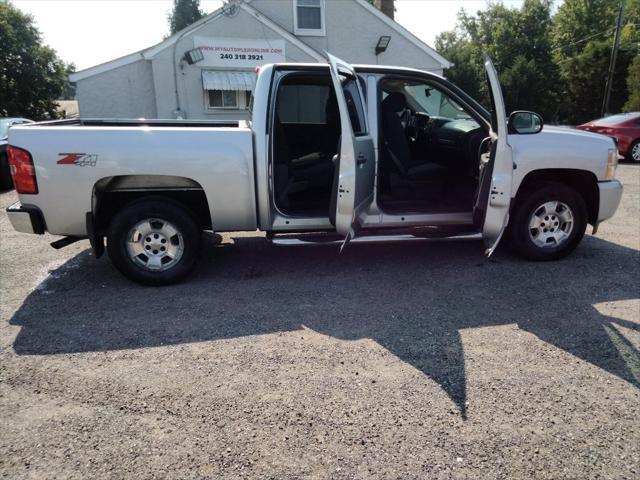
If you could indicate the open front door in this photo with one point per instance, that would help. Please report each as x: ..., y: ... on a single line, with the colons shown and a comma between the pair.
x: 355, y: 162
x: 494, y: 198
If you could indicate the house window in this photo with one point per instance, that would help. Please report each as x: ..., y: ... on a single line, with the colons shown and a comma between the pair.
x: 309, y: 17
x: 228, y: 99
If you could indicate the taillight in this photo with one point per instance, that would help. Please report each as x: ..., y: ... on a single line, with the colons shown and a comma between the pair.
x: 22, y: 170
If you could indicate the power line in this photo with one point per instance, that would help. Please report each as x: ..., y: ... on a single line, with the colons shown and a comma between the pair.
x: 592, y: 36
x: 585, y: 39
x: 582, y: 40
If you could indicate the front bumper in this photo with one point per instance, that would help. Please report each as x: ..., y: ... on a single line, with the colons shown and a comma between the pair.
x: 610, y: 195
x: 26, y: 218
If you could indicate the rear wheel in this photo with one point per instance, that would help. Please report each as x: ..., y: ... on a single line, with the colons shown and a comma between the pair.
x: 154, y: 241
x: 548, y: 223
x: 633, y: 155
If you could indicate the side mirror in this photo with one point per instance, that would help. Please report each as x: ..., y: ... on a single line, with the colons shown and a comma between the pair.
x: 524, y: 123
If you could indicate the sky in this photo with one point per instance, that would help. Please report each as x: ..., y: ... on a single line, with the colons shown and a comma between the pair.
x: 90, y: 32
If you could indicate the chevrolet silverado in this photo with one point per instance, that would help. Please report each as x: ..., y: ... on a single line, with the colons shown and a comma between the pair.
x: 331, y: 153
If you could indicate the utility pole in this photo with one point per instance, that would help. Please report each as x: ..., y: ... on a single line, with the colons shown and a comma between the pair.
x: 612, y: 61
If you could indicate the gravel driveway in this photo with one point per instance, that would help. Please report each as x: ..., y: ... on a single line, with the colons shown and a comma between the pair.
x: 390, y: 361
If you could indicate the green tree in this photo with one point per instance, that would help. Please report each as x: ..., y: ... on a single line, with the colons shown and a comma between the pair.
x: 184, y: 13
x: 519, y: 42
x: 468, y: 72
x: 578, y: 20
x: 583, y: 37
x: 633, y: 85
x: 32, y: 77
x: 630, y: 47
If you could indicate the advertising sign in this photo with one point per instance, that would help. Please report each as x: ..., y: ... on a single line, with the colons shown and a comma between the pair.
x: 239, y: 52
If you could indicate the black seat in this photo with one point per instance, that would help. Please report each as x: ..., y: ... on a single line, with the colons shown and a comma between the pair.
x: 326, y: 144
x: 310, y: 171
x: 397, y: 145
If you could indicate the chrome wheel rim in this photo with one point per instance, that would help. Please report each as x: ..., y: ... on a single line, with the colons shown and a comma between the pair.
x: 635, y: 152
x: 155, y: 245
x: 551, y: 224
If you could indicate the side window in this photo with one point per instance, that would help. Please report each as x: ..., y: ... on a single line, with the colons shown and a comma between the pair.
x: 303, y: 103
x: 354, y: 105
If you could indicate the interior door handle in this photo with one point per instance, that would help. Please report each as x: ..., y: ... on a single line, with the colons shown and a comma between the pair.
x: 361, y: 160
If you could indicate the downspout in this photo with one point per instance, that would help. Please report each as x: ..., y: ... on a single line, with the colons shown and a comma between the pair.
x: 178, y: 112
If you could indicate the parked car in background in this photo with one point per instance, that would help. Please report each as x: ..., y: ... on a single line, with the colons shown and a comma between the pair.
x: 5, y: 175
x: 624, y: 127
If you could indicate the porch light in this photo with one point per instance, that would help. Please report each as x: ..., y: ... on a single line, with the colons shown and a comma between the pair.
x: 383, y: 43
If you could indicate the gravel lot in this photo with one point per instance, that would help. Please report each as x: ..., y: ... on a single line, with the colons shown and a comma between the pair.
x: 390, y: 361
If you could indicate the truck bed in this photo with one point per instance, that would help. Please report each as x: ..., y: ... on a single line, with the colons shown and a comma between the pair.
x: 136, y: 122
x: 71, y: 163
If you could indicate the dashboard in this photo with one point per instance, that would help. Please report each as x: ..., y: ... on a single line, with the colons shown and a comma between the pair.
x: 452, y: 143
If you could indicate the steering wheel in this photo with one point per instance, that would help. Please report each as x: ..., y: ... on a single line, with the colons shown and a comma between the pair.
x: 421, y: 126
x: 409, y: 121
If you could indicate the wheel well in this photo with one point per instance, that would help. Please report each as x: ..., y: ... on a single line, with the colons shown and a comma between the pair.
x: 583, y: 181
x: 111, y: 194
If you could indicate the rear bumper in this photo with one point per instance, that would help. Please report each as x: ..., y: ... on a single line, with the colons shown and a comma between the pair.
x: 610, y: 195
x: 26, y: 218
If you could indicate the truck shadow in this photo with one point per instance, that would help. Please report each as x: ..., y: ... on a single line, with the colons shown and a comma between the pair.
x: 413, y: 299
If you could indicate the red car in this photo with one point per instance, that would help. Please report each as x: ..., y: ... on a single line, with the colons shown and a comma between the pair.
x: 624, y: 127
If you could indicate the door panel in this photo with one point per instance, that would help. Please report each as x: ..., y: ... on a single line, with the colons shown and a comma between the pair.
x: 355, y: 164
x: 496, y: 196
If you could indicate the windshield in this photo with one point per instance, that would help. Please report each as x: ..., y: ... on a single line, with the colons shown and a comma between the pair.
x: 614, y: 119
x: 435, y: 103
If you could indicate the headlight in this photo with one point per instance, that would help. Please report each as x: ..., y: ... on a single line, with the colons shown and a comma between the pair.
x: 612, y: 163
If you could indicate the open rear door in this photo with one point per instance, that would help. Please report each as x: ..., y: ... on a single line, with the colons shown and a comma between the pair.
x: 494, y: 197
x: 355, y: 162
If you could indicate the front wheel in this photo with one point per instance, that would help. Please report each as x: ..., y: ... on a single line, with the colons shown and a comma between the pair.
x: 548, y: 223
x: 154, y: 241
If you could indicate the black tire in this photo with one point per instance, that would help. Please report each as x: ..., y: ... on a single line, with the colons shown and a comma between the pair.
x: 528, y: 203
x: 6, y: 182
x: 187, y: 239
x: 629, y: 158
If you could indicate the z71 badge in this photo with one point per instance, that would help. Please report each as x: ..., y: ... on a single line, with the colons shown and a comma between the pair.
x: 79, y: 159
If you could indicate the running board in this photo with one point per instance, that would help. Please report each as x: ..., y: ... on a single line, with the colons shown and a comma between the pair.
x: 65, y: 241
x: 334, y: 240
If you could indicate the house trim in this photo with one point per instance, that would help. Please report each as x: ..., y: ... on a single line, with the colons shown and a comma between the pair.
x: 151, y: 52
x: 146, y: 53
x: 105, y: 67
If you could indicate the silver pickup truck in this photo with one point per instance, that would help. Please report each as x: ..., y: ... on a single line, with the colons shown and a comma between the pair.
x: 332, y: 153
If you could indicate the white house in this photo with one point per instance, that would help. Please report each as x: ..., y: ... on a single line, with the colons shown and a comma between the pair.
x: 207, y: 70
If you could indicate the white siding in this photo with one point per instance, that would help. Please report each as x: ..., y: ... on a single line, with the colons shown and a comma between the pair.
x: 352, y: 33
x: 192, y: 95
x: 124, y: 92
x: 146, y: 88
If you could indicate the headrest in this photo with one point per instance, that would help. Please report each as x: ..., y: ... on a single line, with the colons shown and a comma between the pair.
x: 395, y: 102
